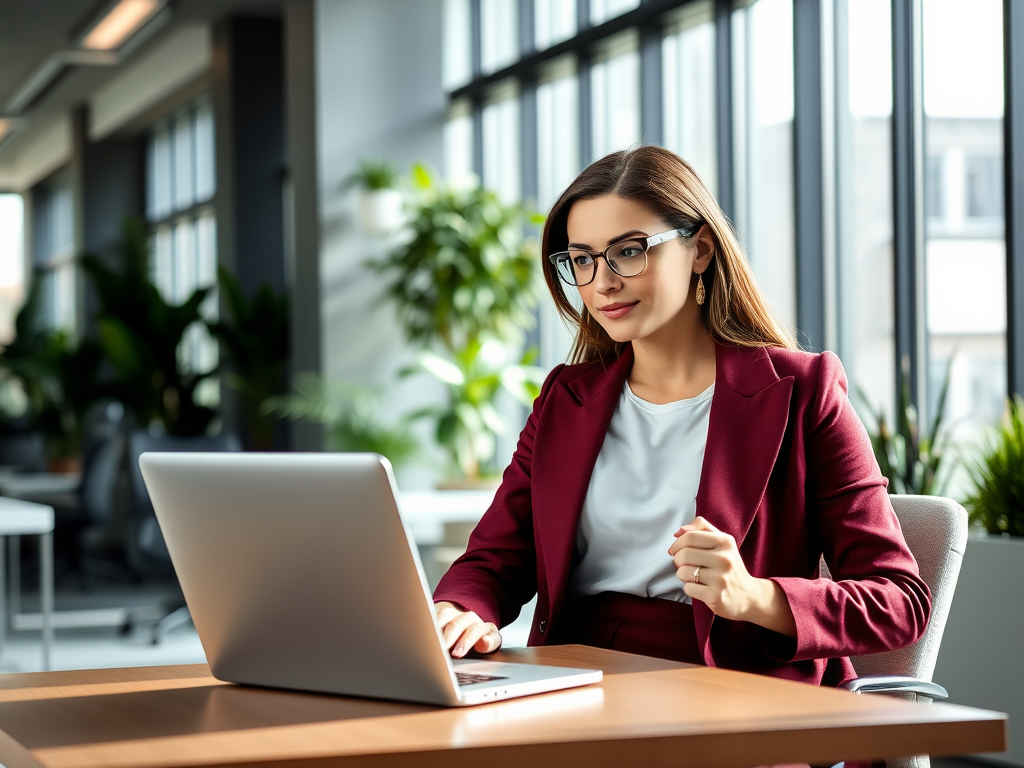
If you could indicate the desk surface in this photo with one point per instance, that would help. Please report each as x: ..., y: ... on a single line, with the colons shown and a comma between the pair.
x: 645, y: 712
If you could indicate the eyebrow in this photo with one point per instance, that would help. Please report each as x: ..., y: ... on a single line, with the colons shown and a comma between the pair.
x: 613, y: 241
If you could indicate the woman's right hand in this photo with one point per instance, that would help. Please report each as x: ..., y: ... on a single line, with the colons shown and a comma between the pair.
x: 463, y: 630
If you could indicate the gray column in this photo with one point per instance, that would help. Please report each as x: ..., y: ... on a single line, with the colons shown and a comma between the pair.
x: 303, y: 202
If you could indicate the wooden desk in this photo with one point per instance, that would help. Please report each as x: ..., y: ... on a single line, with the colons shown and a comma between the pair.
x: 646, y: 712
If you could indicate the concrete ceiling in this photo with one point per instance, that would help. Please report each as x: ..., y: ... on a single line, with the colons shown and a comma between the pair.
x: 31, y: 30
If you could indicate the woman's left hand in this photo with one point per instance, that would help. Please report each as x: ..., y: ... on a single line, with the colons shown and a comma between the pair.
x: 723, y: 583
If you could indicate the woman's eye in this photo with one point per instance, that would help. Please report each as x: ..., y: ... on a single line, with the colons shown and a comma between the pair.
x: 584, y: 260
x: 630, y: 251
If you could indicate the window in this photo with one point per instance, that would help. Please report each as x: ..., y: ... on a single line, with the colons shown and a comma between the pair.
x: 688, y: 54
x: 963, y: 102
x: 558, y: 131
x: 984, y: 187
x: 864, y: 221
x: 558, y: 163
x: 615, y: 91
x: 458, y: 144
x: 763, y: 132
x: 593, y: 94
x: 501, y: 142
x: 12, y: 262
x: 554, y: 21
x: 180, y: 187
x: 602, y: 10
x: 54, y: 252
x: 499, y: 31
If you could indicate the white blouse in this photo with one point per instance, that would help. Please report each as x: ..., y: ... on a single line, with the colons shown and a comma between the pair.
x: 644, y: 487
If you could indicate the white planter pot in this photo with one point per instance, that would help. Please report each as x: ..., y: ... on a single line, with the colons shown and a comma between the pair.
x: 380, y: 211
x: 981, y: 660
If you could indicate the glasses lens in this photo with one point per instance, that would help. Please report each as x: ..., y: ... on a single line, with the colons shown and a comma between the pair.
x: 627, y: 259
x: 575, y: 267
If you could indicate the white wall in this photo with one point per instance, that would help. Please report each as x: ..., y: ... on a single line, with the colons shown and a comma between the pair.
x: 379, y: 96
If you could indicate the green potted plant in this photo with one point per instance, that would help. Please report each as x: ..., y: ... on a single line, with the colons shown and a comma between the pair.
x: 255, y: 339
x: 988, y: 604
x: 464, y: 281
x: 349, y: 415
x: 996, y: 504
x: 467, y: 425
x: 57, y: 377
x: 380, y: 199
x: 910, y: 456
x: 140, y: 333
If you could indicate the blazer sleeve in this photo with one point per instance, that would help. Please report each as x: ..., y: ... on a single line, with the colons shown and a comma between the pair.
x: 498, y: 573
x: 876, y: 600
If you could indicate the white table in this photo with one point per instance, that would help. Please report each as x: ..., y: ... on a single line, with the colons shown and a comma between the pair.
x: 43, y: 487
x: 20, y: 518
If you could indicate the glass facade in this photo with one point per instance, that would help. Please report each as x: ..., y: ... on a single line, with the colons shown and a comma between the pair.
x: 965, y: 252
x: 763, y: 131
x: 613, y: 83
x: 53, y: 257
x: 181, y: 183
x: 864, y: 224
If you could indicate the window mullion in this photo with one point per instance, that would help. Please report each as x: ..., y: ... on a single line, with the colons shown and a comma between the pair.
x: 1013, y: 148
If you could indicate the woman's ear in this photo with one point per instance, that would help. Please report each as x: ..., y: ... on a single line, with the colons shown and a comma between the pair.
x: 705, y: 243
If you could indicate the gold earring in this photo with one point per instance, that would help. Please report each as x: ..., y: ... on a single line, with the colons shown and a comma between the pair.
x: 700, y: 289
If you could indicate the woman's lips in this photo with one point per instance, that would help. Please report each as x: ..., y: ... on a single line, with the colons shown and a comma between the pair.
x: 615, y: 311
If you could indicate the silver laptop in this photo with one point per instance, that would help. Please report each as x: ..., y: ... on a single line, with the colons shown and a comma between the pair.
x: 300, y: 573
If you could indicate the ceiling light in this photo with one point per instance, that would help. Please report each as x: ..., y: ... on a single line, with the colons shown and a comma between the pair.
x: 121, y: 20
x: 8, y: 126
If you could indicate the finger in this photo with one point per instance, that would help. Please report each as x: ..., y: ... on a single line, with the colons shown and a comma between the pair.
x: 700, y: 523
x: 454, y: 629
x: 445, y: 613
x: 468, y: 638
x: 489, y: 642
x: 698, y: 557
x: 701, y: 592
x: 700, y: 540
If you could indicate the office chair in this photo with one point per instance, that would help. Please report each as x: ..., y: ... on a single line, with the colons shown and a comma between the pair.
x: 146, y: 550
x: 101, y: 541
x: 23, y: 450
x: 935, y: 529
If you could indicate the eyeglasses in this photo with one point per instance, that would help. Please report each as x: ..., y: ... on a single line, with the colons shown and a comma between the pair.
x: 578, y: 267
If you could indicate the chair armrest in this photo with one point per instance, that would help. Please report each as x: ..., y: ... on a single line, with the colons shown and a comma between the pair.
x: 896, y: 684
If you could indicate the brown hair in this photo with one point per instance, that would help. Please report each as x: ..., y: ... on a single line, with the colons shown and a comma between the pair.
x: 735, y: 311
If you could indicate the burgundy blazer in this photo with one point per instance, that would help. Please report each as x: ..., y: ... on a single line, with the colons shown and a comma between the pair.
x: 788, y: 471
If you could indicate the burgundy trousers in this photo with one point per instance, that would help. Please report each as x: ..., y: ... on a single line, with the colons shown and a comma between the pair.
x: 648, y: 626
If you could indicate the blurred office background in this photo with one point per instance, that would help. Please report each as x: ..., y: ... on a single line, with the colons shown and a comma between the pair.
x: 866, y: 151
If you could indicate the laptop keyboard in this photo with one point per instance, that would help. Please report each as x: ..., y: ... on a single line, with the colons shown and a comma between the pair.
x: 469, y: 678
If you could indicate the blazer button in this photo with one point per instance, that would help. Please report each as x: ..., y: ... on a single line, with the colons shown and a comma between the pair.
x: 542, y: 627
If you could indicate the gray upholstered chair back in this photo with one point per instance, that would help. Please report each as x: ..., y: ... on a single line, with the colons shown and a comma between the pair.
x: 935, y: 529
x: 936, y: 532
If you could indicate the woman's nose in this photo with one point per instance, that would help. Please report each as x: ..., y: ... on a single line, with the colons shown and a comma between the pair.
x: 604, y: 279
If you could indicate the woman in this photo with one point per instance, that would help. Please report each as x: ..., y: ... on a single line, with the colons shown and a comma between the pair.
x: 674, y: 489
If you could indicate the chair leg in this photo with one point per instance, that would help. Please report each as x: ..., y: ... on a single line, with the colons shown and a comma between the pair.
x: 169, y: 622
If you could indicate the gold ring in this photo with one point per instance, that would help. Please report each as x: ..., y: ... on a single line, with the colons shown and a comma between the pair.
x: 696, y: 575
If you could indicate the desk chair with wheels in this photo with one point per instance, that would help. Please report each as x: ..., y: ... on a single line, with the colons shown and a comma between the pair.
x: 146, y: 550
x: 935, y: 529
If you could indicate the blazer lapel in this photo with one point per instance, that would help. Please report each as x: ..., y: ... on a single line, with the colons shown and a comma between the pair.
x: 749, y: 415
x: 564, y: 462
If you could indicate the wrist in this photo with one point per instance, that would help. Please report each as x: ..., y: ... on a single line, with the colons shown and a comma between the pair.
x: 770, y: 608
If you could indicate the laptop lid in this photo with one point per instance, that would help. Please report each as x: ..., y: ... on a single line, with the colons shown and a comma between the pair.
x: 299, y: 573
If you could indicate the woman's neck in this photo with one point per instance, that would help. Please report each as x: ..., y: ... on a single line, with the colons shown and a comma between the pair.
x: 675, y: 365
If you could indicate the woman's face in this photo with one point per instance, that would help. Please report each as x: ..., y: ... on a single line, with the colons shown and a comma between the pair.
x: 660, y: 297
